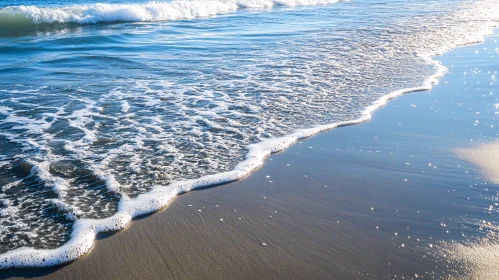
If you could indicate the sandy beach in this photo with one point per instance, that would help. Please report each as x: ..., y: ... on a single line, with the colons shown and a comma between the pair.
x: 390, y: 198
x: 484, y: 156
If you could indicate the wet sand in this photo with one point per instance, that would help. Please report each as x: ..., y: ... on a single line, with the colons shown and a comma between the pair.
x: 379, y: 200
x: 305, y: 215
x: 486, y: 157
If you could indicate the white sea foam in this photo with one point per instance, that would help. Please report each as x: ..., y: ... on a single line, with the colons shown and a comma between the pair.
x: 10, y: 185
x: 85, y: 230
x: 5, y: 110
x: 149, y: 12
x: 125, y: 107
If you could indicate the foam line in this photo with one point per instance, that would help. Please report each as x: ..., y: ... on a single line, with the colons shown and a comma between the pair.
x: 85, y: 230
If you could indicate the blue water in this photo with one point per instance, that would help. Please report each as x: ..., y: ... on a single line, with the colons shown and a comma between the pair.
x: 102, y: 102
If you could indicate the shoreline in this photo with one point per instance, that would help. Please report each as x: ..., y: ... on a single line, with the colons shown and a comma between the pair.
x: 85, y: 231
x: 181, y: 216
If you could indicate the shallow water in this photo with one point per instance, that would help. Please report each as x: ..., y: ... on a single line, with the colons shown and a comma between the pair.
x: 100, y: 103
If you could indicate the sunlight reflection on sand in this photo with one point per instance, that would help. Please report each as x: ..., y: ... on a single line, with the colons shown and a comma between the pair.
x: 486, y: 157
x: 480, y: 258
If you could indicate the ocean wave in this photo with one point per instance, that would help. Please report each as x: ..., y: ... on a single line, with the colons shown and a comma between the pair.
x: 149, y: 12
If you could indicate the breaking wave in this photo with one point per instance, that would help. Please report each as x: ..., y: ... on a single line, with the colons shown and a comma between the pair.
x: 149, y: 12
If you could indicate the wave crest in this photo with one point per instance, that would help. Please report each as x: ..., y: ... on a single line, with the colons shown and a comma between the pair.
x: 148, y: 12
